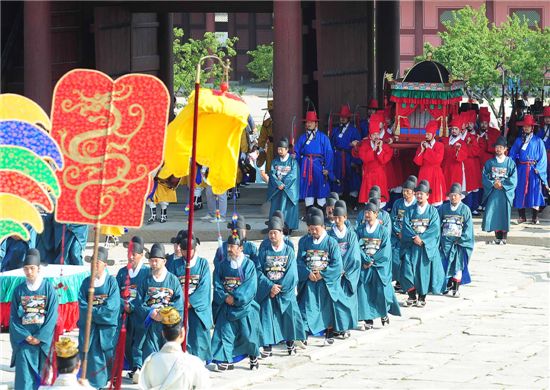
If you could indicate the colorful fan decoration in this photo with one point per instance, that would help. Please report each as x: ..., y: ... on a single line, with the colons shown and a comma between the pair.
x: 29, y: 157
x: 111, y: 135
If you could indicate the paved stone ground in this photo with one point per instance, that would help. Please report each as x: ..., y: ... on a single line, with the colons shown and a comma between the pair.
x: 494, y: 336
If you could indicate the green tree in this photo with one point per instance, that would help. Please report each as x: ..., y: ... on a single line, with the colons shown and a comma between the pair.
x: 262, y: 62
x: 187, y: 55
x: 477, y: 51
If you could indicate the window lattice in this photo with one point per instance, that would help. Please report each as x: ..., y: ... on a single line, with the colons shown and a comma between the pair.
x: 531, y: 15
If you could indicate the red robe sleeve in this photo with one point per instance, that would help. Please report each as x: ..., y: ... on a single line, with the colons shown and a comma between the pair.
x: 385, y: 156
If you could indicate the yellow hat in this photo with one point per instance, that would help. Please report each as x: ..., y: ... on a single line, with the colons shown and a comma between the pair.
x: 169, y: 316
x: 66, y: 348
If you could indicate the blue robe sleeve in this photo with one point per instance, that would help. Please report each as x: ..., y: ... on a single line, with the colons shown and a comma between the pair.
x: 328, y: 154
x: 407, y: 231
x: 274, y: 182
x: 18, y: 333
x: 291, y: 182
x: 298, y: 149
x: 200, y: 299
x: 466, y: 240
x: 352, y: 264
x: 140, y: 306
x: 541, y: 165
x: 395, y: 227
x: 382, y: 257
x: 431, y: 236
x: 246, y: 292
x: 333, y: 272
x: 264, y: 283
x: 303, y: 270
x: 219, y: 290
x: 514, y: 151
x: 252, y: 252
x: 218, y: 257
x: 177, y: 297
x: 289, y: 281
x: 510, y: 182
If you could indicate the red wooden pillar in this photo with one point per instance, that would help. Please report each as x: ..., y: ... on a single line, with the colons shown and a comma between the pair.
x: 287, y: 68
x: 210, y: 22
x: 37, y: 52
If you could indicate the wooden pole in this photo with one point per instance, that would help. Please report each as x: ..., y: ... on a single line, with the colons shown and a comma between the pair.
x: 91, y: 290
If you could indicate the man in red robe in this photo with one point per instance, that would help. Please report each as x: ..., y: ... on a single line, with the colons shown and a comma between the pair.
x: 472, y: 164
x: 486, y: 136
x: 429, y: 156
x: 456, y: 152
x: 374, y: 154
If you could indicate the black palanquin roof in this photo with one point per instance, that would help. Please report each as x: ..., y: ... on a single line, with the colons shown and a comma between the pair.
x: 427, y: 72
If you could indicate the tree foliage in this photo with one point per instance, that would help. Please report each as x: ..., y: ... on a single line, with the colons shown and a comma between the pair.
x: 477, y: 51
x: 262, y: 62
x: 188, y: 54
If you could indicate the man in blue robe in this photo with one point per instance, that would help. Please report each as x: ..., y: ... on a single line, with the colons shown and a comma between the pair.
x: 319, y: 289
x: 283, y: 186
x: 70, y: 240
x: 200, y: 291
x: 277, y: 280
x: 128, y: 279
x: 421, y: 268
x: 529, y: 153
x: 457, y: 240
x: 176, y: 255
x: 159, y: 289
x: 105, y: 317
x: 544, y: 134
x: 375, y: 294
x: 346, y: 168
x: 499, y: 179
x: 347, y: 240
x: 237, y: 317
x: 33, y: 315
x: 398, y: 210
x: 314, y: 156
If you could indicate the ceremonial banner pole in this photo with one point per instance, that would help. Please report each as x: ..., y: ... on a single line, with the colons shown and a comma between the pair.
x: 91, y: 290
x: 192, y: 174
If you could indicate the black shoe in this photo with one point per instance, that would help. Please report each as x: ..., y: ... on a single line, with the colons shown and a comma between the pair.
x: 163, y: 216
x: 397, y: 287
x: 225, y: 366
x: 266, y: 352
x: 411, y: 301
x: 385, y: 320
x: 421, y: 301
x: 197, y: 203
x: 153, y: 216
x: 454, y: 288
x: 369, y: 324
x: 290, y: 348
x: 254, y: 364
x: 449, y: 285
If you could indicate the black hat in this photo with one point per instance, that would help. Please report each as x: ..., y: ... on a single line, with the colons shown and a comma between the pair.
x: 334, y: 195
x: 234, y: 239
x: 375, y: 192
x: 283, y: 143
x: 409, y: 185
x: 238, y: 224
x: 501, y: 141
x: 102, y: 255
x: 455, y: 189
x: 177, y: 239
x: 331, y: 202
x: 372, y: 206
x: 375, y: 201
x: 183, y: 240
x: 423, y: 186
x: 413, y: 178
x: 157, y: 251
x: 316, y: 220
x: 340, y: 211
x: 278, y: 214
x: 32, y: 257
x: 138, y: 246
x: 275, y: 223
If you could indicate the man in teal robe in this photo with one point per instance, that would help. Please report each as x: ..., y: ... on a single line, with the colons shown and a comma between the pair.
x: 128, y: 279
x: 250, y: 249
x: 200, y: 291
x: 283, y: 187
x: 277, y: 280
x: 457, y: 240
x: 347, y: 240
x: 421, y: 268
x: 159, y: 289
x: 33, y: 315
x: 398, y: 210
x: 499, y: 180
x: 319, y: 289
x: 105, y: 317
x: 383, y: 216
x: 237, y: 317
x: 177, y: 255
x: 375, y: 293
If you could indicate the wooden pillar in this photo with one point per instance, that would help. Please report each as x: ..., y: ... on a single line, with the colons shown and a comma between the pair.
x: 37, y: 52
x: 387, y: 41
x: 166, y: 55
x: 210, y: 22
x: 287, y: 64
x: 371, y: 63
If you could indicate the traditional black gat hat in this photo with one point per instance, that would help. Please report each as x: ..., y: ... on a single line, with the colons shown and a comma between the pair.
x: 102, y: 255
x: 157, y: 251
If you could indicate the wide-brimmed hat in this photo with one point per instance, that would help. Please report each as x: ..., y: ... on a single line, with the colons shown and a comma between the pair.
x: 373, y: 104
x: 157, y: 251
x: 102, y: 255
x: 345, y: 111
x: 501, y: 141
x: 456, y: 188
x: 528, y: 120
x: 311, y: 116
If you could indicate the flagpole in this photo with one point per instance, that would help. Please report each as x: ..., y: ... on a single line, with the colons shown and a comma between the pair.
x: 192, y: 174
x: 91, y: 290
